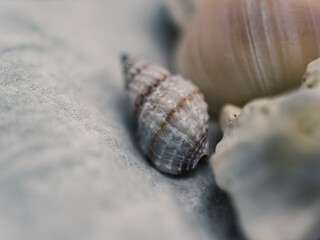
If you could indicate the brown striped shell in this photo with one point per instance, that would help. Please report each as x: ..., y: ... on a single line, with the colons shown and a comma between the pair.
x: 171, y: 114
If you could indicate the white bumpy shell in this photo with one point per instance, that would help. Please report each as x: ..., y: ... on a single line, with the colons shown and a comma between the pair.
x: 171, y: 114
x: 312, y: 76
x: 269, y: 162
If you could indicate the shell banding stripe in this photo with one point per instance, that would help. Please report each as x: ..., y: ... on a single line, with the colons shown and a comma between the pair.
x: 168, y: 118
x: 156, y: 104
x: 143, y: 97
x: 133, y: 72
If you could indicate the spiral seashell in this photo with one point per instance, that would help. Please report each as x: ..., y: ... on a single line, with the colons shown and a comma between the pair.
x: 236, y: 51
x: 171, y: 114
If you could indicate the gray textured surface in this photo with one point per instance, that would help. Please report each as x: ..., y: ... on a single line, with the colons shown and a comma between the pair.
x: 69, y: 166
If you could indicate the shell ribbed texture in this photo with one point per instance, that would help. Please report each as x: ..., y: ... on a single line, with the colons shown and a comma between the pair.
x: 236, y: 51
x: 171, y: 115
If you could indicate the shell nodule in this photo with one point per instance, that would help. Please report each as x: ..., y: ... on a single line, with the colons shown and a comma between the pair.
x: 171, y: 114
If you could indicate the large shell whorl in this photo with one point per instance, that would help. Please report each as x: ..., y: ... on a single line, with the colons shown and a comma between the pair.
x: 171, y: 115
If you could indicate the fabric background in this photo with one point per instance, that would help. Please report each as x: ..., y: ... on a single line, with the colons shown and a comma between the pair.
x: 69, y: 164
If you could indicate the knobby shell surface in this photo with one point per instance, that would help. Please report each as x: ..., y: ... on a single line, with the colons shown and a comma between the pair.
x: 236, y: 51
x: 269, y: 163
x: 312, y: 76
x: 171, y: 115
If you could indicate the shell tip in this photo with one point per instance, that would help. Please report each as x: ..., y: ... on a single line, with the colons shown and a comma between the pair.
x: 124, y: 57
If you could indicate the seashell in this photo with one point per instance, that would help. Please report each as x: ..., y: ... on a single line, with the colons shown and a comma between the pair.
x: 171, y: 114
x: 236, y: 51
x: 269, y: 163
x: 183, y: 10
x: 312, y: 76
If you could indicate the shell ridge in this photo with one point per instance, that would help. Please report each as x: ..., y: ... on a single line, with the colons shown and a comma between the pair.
x: 169, y: 116
x: 132, y: 76
x: 157, y: 102
x: 195, y: 145
x: 143, y: 97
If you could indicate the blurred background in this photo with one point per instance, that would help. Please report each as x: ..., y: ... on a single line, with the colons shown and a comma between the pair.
x: 69, y: 165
